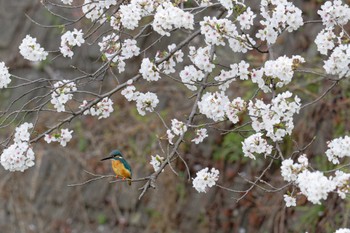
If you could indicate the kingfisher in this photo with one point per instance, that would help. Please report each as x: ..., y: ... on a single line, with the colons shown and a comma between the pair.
x: 120, y: 166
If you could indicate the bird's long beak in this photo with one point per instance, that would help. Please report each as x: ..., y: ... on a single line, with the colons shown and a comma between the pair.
x: 110, y: 157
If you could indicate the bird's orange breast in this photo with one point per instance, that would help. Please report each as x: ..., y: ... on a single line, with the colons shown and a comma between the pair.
x: 120, y: 170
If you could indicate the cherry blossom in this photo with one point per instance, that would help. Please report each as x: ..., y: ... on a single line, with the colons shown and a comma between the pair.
x: 70, y: 39
x: 31, y: 50
x: 290, y: 201
x: 156, y: 161
x: 201, y: 134
x: 205, y: 179
x: 178, y: 127
x: 102, y: 109
x: 19, y: 156
x: 201, y: 58
x: 266, y: 117
x: 62, y: 93
x: 68, y: 2
x: 284, y: 15
x: 213, y: 105
x: 146, y: 102
x: 246, y: 19
x: 343, y: 230
x: 168, y: 66
x: 255, y: 144
x: 63, y: 137
x: 282, y: 69
x: 148, y: 70
x: 338, y: 62
x: 314, y: 185
x: 334, y: 13
x: 190, y: 76
x: 4, y: 76
x: 130, y: 15
x: 338, y: 148
x: 168, y: 17
x: 291, y: 170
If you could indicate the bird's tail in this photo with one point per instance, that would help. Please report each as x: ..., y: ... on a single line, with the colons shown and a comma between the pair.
x: 129, y: 182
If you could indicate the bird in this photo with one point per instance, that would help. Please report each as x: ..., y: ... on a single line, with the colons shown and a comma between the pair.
x: 119, y: 165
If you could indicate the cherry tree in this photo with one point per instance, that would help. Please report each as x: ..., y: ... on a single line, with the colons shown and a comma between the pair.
x: 196, y: 34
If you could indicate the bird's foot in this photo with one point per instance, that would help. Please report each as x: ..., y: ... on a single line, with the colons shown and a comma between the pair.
x: 116, y: 176
x: 123, y: 178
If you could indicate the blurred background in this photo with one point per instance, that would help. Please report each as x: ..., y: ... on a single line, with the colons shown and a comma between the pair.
x: 39, y: 200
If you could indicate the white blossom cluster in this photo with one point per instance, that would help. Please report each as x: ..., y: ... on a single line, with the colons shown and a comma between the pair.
x: 94, y: 9
x: 255, y: 144
x: 204, y: 3
x: 217, y: 106
x: 168, y: 66
x: 339, y: 61
x: 118, y: 51
x: 67, y: 2
x: 342, y: 182
x: 130, y: 92
x: 314, y: 185
x: 115, y: 22
x: 169, y: 17
x: 334, y: 16
x: 205, y: 179
x: 282, y: 69
x: 201, y: 134
x: 290, y: 170
x: 217, y: 31
x: 110, y: 46
x: 31, y: 50
x: 19, y: 156
x: 334, y: 13
x: 201, y: 58
x: 144, y: 101
x: 170, y: 136
x: 233, y: 108
x: 257, y: 77
x: 156, y: 161
x: 149, y: 71
x: 130, y: 49
x: 70, y: 39
x: 338, y: 148
x: 63, y: 137
x: 212, y: 105
x: 62, y: 93
x: 102, y: 109
x: 4, y: 76
x: 131, y: 14
x: 275, y: 119
x: 342, y: 230
x: 290, y: 200
x: 279, y: 15
x: 228, y: 4
x: 226, y: 77
x: 246, y: 19
x: 190, y: 76
x: 325, y: 40
x: 178, y: 128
